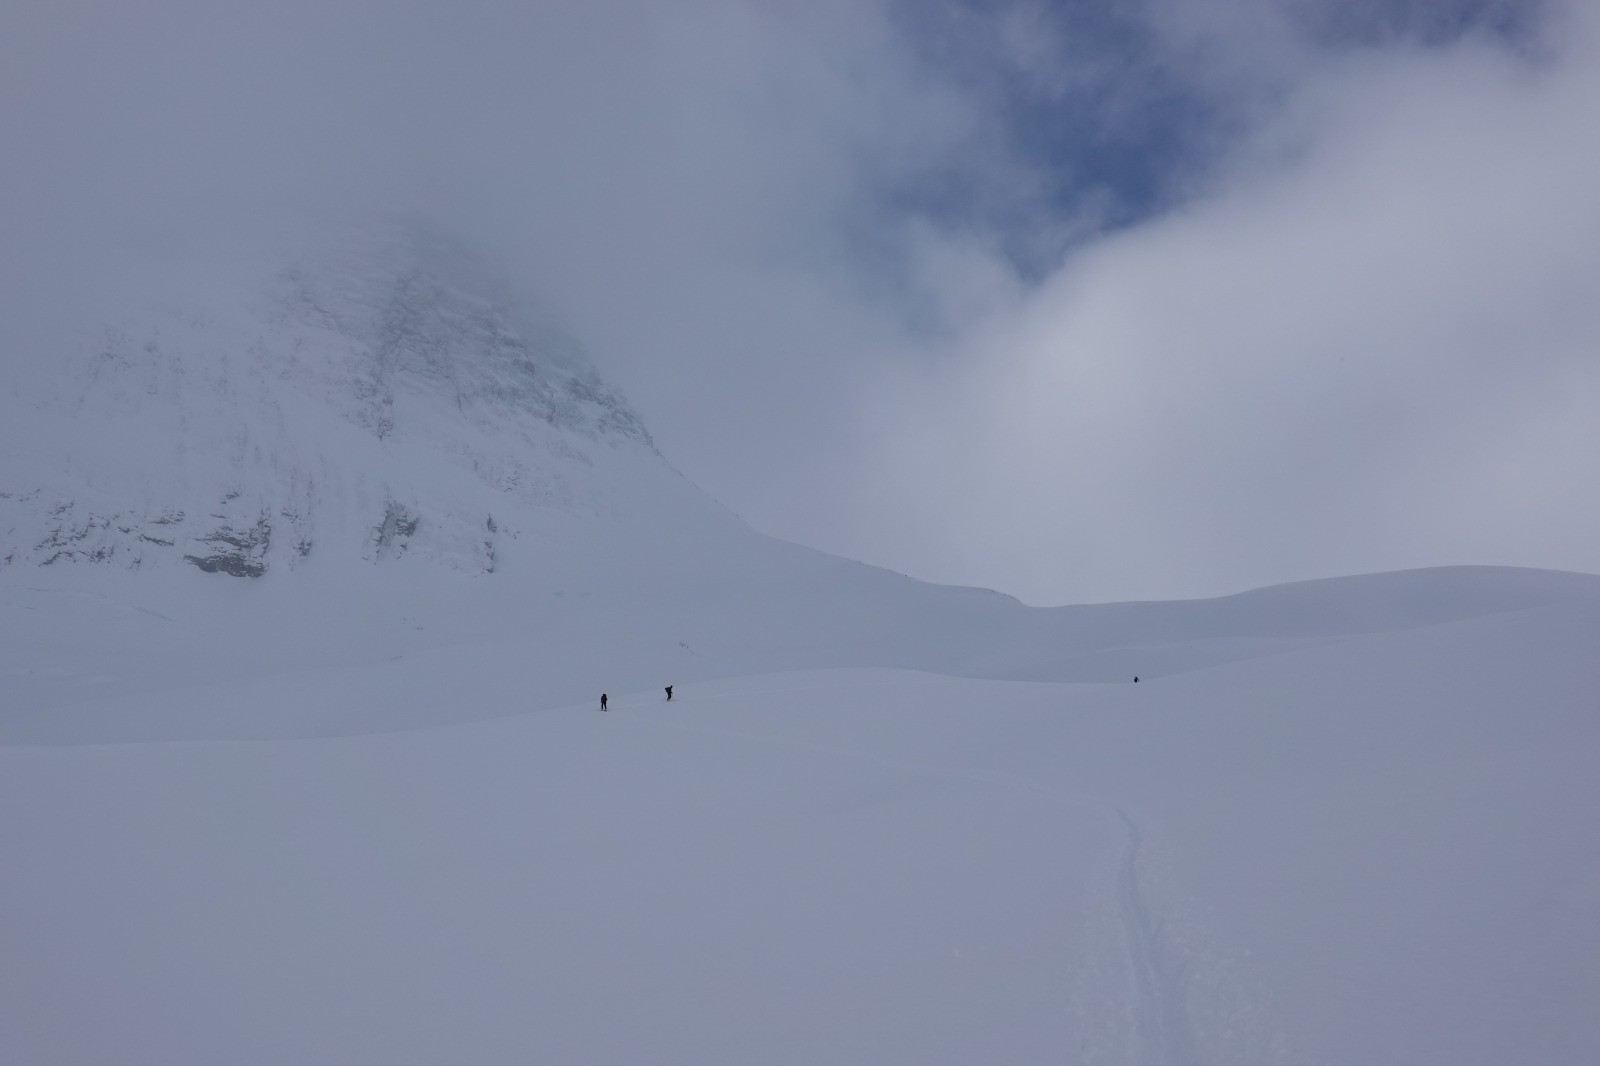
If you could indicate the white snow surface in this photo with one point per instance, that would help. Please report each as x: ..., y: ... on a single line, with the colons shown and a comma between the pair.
x: 363, y: 807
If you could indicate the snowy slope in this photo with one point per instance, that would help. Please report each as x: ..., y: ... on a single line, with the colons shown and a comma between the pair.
x: 368, y: 535
x: 141, y: 659
x: 374, y: 449
x: 1382, y: 851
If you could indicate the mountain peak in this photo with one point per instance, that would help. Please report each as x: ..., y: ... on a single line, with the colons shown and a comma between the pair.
x: 418, y: 310
x: 391, y: 394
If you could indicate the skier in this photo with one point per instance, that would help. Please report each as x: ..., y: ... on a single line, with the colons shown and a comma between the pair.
x: 1135, y: 679
x: 602, y: 701
x: 669, y: 693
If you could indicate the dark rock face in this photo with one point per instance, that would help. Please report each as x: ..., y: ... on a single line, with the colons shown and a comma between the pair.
x: 73, y: 538
x: 239, y: 552
x: 236, y: 565
x: 394, y: 533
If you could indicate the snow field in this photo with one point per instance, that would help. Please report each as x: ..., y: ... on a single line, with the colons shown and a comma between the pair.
x: 1380, y: 850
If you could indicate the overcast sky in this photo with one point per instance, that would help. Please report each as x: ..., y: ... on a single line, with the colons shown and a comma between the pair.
x: 1082, y: 300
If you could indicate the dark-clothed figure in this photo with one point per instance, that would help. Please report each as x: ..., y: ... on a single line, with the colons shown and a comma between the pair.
x: 602, y: 701
x: 669, y: 693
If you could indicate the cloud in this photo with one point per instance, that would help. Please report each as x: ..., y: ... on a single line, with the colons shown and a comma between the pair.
x: 1373, y: 346
x: 697, y: 185
x: 1075, y: 301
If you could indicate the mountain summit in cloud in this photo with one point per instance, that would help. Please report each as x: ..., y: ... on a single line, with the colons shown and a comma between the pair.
x: 390, y: 397
x: 381, y: 449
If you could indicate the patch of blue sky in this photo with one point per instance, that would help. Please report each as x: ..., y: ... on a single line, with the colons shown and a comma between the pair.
x: 1097, y: 116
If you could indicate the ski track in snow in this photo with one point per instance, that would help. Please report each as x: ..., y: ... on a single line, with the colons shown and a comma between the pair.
x: 1163, y: 1034
x: 1160, y: 1018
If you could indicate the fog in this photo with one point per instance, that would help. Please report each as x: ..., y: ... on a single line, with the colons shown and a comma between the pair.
x: 1082, y: 305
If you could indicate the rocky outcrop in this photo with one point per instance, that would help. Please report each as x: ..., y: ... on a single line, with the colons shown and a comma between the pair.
x: 241, y: 552
x: 393, y: 535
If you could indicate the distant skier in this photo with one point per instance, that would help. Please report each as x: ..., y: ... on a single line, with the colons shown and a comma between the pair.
x: 669, y: 693
x: 1135, y: 679
x: 602, y: 701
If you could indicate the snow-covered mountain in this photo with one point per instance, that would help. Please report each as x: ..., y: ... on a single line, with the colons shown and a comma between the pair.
x: 383, y: 399
x: 367, y: 531
x: 379, y: 448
